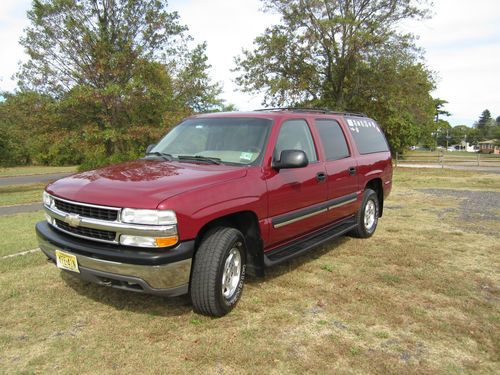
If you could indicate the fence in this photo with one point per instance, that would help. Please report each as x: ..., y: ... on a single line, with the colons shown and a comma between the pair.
x: 443, y: 160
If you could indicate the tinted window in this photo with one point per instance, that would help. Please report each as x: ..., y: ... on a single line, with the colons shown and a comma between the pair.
x: 333, y: 139
x: 295, y: 135
x: 367, y: 135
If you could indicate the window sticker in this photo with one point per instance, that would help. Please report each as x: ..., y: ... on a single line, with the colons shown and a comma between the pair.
x: 246, y: 156
x: 358, y: 125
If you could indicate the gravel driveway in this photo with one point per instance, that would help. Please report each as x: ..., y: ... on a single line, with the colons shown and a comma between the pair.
x: 474, y: 205
x: 19, y: 208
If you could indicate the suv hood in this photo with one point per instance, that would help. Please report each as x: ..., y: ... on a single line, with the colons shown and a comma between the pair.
x: 141, y: 183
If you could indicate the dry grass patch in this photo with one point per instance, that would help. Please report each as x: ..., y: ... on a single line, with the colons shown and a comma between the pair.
x: 412, y: 178
x: 422, y: 296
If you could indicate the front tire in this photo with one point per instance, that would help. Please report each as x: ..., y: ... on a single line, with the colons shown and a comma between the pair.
x: 367, y: 216
x: 218, y: 272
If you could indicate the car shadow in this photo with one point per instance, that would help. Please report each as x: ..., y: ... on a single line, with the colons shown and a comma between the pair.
x: 177, y: 306
x: 292, y: 264
x: 130, y: 301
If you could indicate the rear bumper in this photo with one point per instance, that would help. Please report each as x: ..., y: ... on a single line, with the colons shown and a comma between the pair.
x: 164, y: 272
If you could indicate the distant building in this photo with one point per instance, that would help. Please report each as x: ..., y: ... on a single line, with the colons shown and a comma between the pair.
x: 489, y: 147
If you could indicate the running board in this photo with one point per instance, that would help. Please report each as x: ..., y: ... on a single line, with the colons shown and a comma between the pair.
x: 289, y: 251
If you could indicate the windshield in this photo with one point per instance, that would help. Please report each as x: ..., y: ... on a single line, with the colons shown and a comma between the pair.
x: 228, y: 140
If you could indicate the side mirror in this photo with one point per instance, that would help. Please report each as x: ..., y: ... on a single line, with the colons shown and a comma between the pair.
x: 149, y: 148
x: 291, y: 159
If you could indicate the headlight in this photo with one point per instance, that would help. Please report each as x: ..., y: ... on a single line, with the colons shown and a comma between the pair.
x: 149, y: 217
x: 47, y: 199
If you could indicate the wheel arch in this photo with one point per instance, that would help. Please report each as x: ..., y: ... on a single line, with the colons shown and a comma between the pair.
x: 376, y: 185
x: 248, y: 224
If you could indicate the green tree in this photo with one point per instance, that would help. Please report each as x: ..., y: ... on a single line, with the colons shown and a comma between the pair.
x: 443, y: 131
x: 120, y: 71
x: 95, y: 43
x: 485, y: 124
x: 345, y: 55
x: 24, y: 119
x: 439, y: 108
x: 459, y: 133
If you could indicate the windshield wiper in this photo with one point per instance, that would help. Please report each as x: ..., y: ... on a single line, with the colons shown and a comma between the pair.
x: 165, y: 156
x: 199, y: 158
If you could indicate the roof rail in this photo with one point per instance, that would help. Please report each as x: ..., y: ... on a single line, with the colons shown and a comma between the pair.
x: 313, y: 110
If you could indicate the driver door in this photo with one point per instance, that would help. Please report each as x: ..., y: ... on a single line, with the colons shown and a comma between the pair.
x: 296, y: 194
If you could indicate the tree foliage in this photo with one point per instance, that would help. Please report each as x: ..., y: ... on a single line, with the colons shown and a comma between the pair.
x: 486, y: 126
x: 117, y: 74
x: 95, y: 43
x: 345, y: 55
x: 439, y: 108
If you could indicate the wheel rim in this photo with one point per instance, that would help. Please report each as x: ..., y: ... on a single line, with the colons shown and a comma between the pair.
x: 232, y: 273
x: 370, y: 215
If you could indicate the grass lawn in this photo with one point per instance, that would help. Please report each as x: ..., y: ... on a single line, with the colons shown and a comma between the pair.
x: 422, y: 296
x: 22, y: 171
x: 18, y: 232
x: 20, y: 194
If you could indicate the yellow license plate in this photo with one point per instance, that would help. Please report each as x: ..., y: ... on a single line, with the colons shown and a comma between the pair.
x: 66, y: 261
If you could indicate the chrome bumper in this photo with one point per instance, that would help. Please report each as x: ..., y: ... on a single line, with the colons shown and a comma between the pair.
x: 166, y: 279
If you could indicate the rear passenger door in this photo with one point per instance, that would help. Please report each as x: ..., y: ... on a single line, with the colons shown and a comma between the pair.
x: 341, y: 169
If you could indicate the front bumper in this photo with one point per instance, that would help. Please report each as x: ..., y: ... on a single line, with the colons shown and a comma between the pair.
x: 164, y: 272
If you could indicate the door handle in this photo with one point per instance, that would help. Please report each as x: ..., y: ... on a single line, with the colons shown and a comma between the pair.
x: 352, y: 171
x: 321, y: 176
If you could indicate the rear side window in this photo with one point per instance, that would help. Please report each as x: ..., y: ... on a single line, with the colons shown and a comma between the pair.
x: 333, y: 139
x: 367, y: 135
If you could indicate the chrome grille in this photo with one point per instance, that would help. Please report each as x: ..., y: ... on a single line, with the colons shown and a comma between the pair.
x: 87, y: 211
x: 87, y: 232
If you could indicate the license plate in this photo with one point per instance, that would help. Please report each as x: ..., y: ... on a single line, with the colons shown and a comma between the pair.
x: 66, y: 261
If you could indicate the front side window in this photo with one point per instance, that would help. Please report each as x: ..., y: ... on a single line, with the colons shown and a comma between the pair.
x: 231, y: 140
x: 333, y: 139
x: 295, y: 135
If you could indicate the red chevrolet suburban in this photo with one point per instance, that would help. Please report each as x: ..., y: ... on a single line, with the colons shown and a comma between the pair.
x: 222, y: 195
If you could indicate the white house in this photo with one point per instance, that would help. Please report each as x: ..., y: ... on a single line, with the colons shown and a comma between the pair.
x: 463, y: 146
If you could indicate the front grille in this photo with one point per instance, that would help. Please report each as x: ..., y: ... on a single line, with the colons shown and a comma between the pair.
x: 87, y: 211
x: 87, y: 232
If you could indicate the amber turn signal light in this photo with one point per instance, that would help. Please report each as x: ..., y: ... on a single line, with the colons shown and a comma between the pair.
x: 166, y: 241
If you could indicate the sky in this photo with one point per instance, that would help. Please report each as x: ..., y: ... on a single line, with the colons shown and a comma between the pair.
x: 461, y: 43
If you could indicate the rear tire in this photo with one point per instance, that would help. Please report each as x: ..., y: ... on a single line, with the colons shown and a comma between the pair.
x: 218, y: 272
x: 367, y: 216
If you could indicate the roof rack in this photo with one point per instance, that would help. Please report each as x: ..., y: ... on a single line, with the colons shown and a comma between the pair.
x: 313, y: 110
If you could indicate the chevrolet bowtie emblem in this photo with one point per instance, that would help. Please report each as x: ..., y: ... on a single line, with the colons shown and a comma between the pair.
x: 73, y: 220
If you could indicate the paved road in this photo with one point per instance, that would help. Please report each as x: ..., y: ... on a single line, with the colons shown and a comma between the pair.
x: 455, y: 167
x: 30, y: 207
x: 33, y: 179
x: 20, y: 180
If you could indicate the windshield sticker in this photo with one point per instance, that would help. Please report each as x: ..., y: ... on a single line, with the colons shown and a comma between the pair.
x: 199, y: 126
x: 246, y: 156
